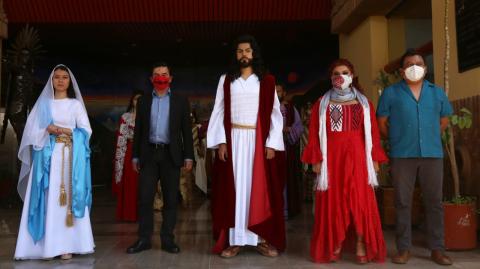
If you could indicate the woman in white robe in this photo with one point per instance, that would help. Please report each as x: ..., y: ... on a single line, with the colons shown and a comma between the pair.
x: 58, y: 111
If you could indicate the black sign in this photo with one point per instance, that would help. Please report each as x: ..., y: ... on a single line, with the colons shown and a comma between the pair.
x: 468, y: 33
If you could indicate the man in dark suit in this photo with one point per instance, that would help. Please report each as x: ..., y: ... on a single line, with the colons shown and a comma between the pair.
x: 162, y: 144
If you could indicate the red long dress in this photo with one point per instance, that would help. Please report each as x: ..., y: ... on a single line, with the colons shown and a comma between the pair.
x: 348, y: 207
x: 125, y: 179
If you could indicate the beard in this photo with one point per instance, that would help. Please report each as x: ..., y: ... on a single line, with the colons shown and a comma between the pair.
x: 244, y: 62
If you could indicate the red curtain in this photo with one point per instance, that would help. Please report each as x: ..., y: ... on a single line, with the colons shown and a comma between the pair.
x: 140, y: 11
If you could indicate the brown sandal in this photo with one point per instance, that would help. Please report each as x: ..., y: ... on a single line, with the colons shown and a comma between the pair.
x: 266, y: 249
x: 67, y: 256
x: 230, y: 252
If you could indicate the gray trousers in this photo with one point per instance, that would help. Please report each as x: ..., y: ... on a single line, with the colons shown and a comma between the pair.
x: 404, y: 172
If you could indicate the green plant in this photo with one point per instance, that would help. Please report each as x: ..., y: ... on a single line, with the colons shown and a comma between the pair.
x: 384, y: 173
x: 384, y: 80
x: 462, y: 120
x: 460, y: 200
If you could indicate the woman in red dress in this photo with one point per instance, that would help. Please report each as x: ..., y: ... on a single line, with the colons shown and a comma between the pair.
x: 344, y: 149
x: 125, y: 179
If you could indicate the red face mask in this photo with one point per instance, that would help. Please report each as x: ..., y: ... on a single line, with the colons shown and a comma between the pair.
x: 337, y: 81
x: 161, y: 82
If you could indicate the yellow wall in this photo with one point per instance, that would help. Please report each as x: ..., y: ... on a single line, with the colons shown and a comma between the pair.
x: 464, y: 84
x: 396, y: 38
x: 367, y: 48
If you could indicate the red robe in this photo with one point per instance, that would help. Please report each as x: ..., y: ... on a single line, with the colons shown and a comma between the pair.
x: 126, y: 189
x: 293, y: 168
x: 266, y: 200
x: 348, y: 207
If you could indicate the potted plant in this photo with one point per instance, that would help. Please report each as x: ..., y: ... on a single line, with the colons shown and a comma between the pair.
x: 460, y: 211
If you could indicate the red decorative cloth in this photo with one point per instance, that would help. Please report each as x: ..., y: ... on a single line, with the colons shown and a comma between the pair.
x: 125, y: 179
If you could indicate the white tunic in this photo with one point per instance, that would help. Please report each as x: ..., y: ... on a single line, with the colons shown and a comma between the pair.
x: 200, y: 171
x: 58, y: 238
x: 245, y: 96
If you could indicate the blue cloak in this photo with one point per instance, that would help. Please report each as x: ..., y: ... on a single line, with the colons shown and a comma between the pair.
x: 81, y: 181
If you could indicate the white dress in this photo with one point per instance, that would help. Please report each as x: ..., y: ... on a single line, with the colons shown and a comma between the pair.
x: 245, y: 96
x: 200, y: 170
x: 58, y: 238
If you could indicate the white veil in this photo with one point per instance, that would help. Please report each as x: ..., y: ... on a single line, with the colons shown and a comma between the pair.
x: 35, y: 133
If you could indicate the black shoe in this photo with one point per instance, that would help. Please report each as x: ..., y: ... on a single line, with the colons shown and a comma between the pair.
x: 140, y: 245
x: 171, y: 248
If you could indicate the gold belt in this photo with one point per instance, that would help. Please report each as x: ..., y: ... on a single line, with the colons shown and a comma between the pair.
x: 67, y: 140
x: 241, y: 126
x: 64, y: 139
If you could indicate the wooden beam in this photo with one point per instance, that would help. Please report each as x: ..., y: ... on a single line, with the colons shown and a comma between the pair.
x: 425, y: 50
x: 348, y: 14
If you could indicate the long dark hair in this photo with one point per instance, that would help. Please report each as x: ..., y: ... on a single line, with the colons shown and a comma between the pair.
x: 257, y: 61
x: 70, y: 89
x: 349, y: 65
x: 130, y: 104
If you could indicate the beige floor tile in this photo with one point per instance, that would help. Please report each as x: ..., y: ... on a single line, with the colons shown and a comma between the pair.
x: 193, y: 235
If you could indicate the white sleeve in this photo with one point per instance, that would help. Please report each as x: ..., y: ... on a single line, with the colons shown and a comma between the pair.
x: 275, y: 136
x: 81, y: 118
x: 216, y: 129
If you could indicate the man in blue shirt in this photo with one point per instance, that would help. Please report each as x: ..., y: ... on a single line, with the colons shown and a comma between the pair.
x: 412, y: 114
x: 161, y: 145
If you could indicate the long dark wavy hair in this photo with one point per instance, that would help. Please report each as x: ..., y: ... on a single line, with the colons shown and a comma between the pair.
x: 349, y: 65
x: 257, y: 61
x: 130, y: 104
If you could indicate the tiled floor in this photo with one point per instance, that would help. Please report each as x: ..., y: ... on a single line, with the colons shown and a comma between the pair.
x: 193, y: 235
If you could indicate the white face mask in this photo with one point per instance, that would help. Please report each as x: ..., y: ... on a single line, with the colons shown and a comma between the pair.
x: 347, y: 81
x: 414, y: 73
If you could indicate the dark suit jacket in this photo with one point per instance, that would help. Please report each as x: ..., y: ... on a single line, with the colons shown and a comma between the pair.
x: 181, y: 142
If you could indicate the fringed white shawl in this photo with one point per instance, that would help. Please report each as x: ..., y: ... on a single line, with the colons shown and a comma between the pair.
x: 322, y: 178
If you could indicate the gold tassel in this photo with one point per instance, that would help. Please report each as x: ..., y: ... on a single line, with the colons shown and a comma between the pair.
x: 63, y: 196
x: 69, y: 218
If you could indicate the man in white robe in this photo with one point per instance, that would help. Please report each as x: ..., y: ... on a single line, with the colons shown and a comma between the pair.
x: 245, y: 99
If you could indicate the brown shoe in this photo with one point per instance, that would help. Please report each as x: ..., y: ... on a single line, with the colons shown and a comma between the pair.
x: 230, y: 252
x: 440, y: 258
x: 402, y: 257
x: 267, y: 250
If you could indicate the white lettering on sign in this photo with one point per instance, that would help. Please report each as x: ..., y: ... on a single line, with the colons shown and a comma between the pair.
x: 464, y: 221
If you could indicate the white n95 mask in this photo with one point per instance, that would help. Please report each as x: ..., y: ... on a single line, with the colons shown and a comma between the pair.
x: 414, y: 73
